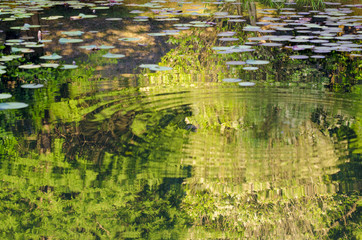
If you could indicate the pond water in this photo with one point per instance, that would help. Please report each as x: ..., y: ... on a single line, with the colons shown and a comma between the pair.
x: 180, y: 120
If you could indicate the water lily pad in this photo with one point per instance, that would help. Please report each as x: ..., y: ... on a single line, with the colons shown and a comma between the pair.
x: 52, y: 17
x: 100, y: 8
x: 147, y: 65
x: 271, y: 44
x: 235, y: 63
x: 157, y: 34
x: 246, y: 84
x: 12, y: 105
x: 32, y: 85
x: 89, y: 47
x: 5, y: 95
x: 160, y: 68
x: 49, y: 65
x: 68, y: 66
x: 6, y: 59
x: 82, y: 16
x: 34, y: 45
x: 129, y: 39
x: 73, y: 33
x: 29, y: 66
x: 231, y: 80
x: 318, y: 56
x: 106, y: 47
x: 54, y: 56
x: 250, y: 68
x: 45, y: 41
x: 114, y: 19
x: 111, y: 55
x: 70, y: 40
x: 298, y: 57
x: 14, y: 40
x: 257, y: 62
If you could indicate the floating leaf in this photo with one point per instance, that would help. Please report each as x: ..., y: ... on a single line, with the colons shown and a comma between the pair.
x: 34, y: 45
x: 113, y: 19
x: 70, y: 40
x: 5, y: 95
x: 235, y: 63
x: 32, y: 85
x: 68, y: 66
x: 49, y: 65
x: 129, y: 39
x: 157, y: 34
x: 12, y: 105
x: 52, y: 17
x: 231, y: 80
x: 106, y: 47
x: 111, y: 55
x: 246, y: 84
x: 73, y: 33
x: 29, y: 66
x: 257, y: 62
x: 299, y: 57
x: 147, y: 65
x: 54, y: 56
x: 250, y: 68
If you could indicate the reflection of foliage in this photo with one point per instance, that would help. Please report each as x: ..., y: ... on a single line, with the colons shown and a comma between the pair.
x: 346, y: 137
x: 129, y: 196
x: 274, y: 218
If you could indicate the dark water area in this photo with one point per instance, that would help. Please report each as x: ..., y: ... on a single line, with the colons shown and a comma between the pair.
x: 180, y: 120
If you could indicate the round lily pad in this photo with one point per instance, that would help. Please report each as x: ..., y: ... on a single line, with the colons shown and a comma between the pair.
x: 113, y: 19
x: 299, y: 57
x: 160, y: 68
x: 70, y: 40
x: 111, y: 55
x: 32, y: 85
x: 246, y: 84
x: 129, y: 39
x: 5, y: 95
x: 29, y: 66
x: 250, y: 68
x: 106, y: 47
x: 73, y: 33
x: 147, y: 65
x: 231, y: 80
x: 89, y: 47
x: 68, y: 66
x: 52, y: 17
x: 12, y: 105
x: 257, y: 62
x: 49, y: 65
x: 235, y: 63
x: 54, y: 56
x: 157, y: 34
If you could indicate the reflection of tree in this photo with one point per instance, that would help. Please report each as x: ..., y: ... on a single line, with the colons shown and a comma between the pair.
x: 130, y: 188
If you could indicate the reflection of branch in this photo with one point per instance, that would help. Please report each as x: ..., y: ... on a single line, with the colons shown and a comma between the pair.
x: 101, y: 227
x: 347, y: 215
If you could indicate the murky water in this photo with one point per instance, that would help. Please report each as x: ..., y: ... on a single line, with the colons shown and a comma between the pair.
x: 230, y: 120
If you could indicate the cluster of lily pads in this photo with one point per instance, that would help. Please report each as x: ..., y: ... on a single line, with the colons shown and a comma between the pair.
x: 314, y: 32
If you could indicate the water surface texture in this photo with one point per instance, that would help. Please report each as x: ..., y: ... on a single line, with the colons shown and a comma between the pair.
x: 170, y: 119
